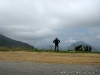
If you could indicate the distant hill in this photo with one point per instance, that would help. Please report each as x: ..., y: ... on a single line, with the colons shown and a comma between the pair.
x: 72, y: 46
x: 10, y: 43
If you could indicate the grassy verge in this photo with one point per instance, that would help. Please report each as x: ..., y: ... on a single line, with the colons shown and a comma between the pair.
x: 41, y: 50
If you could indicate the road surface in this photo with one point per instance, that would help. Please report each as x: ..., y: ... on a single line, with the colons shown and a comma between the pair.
x: 28, y: 68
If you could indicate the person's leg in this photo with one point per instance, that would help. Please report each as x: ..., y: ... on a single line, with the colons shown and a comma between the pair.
x: 55, y: 48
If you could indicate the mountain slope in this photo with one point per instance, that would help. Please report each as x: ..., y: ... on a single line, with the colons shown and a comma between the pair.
x: 7, y: 42
x: 72, y: 46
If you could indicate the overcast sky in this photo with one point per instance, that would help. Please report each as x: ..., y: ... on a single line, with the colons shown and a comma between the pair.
x: 39, y: 22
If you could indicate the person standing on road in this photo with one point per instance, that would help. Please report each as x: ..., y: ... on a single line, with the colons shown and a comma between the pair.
x: 56, y: 41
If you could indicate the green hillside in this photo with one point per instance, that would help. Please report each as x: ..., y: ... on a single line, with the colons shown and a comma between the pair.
x: 10, y: 43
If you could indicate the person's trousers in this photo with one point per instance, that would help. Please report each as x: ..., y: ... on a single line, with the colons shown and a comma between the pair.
x: 56, y: 48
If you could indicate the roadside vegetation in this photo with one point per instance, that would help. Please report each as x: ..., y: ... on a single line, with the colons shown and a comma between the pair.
x: 3, y: 49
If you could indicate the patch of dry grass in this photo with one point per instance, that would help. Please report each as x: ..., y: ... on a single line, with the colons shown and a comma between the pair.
x: 51, y: 57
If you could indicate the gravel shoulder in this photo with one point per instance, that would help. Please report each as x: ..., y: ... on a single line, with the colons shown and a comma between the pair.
x: 51, y: 57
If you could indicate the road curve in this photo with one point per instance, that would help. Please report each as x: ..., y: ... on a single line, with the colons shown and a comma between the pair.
x: 27, y: 68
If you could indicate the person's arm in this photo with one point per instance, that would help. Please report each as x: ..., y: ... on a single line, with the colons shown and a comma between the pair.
x: 59, y: 41
x: 54, y: 41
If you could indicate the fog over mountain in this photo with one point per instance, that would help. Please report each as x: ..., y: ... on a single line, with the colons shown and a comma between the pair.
x: 11, y: 43
x: 72, y: 46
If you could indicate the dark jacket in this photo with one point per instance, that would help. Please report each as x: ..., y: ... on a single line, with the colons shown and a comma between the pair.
x: 56, y: 41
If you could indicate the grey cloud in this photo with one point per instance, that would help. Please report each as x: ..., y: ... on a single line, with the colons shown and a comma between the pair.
x: 60, y: 13
x: 44, y: 19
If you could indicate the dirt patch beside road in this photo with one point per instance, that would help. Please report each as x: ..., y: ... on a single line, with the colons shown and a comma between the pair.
x: 50, y: 57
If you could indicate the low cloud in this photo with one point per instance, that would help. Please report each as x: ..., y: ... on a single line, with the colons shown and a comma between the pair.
x: 46, y: 19
x: 71, y: 40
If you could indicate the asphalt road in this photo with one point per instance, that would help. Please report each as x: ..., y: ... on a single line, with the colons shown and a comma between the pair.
x: 27, y: 68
